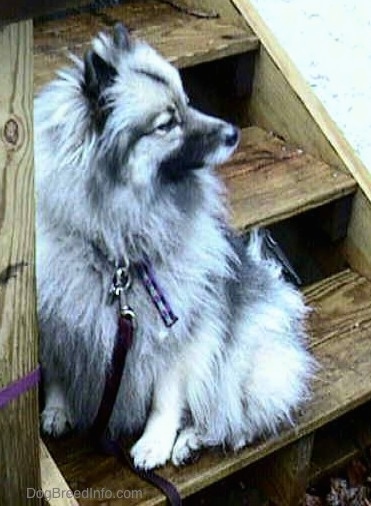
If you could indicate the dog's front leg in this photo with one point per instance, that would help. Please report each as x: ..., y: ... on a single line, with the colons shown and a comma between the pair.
x: 155, y: 446
x: 56, y: 418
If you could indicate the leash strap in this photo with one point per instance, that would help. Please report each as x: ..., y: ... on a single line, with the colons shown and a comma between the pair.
x: 156, y: 294
x: 19, y: 387
x: 167, y: 488
x: 123, y: 343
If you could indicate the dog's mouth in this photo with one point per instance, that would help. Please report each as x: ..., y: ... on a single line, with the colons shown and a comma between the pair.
x: 199, y: 152
x: 176, y: 169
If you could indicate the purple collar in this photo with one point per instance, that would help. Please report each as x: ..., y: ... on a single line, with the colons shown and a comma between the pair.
x: 122, y: 282
x: 150, y: 283
x: 145, y: 272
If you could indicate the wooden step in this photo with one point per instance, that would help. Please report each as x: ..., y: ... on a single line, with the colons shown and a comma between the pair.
x: 339, y: 442
x: 340, y: 337
x: 269, y: 180
x: 182, y: 37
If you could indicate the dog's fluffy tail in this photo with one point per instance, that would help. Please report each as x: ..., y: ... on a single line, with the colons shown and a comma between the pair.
x: 262, y: 246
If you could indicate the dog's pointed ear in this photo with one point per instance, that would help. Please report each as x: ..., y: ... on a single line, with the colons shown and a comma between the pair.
x: 98, y: 74
x: 121, y: 37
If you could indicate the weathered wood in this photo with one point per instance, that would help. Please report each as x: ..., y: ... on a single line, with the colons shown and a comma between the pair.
x: 269, y: 180
x: 182, y: 38
x: 19, y: 433
x: 224, y: 9
x: 283, y: 102
x: 275, y: 106
x: 357, y: 247
x: 284, y: 476
x: 339, y: 442
x: 340, y: 329
x: 308, y: 111
x: 55, y: 488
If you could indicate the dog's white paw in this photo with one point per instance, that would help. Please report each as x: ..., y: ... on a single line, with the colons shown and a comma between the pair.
x: 55, y: 421
x: 187, y: 443
x: 152, y: 450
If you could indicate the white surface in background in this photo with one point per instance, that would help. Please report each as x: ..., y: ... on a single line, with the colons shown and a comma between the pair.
x: 330, y: 43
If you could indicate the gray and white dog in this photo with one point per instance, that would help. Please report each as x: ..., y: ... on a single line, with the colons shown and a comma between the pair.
x: 124, y: 169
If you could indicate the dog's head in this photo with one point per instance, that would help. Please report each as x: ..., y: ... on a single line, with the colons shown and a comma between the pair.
x: 141, y: 115
x: 117, y: 140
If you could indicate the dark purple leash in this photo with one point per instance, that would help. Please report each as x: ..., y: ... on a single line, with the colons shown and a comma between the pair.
x: 123, y: 342
x: 16, y: 388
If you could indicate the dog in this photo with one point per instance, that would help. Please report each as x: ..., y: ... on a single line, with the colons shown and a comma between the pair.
x: 125, y: 169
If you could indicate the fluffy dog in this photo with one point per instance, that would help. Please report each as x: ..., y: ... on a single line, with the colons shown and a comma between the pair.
x: 124, y: 169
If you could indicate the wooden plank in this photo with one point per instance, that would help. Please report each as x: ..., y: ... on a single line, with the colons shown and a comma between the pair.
x: 340, y: 329
x: 274, y: 105
x: 269, y: 180
x: 283, y: 477
x: 183, y: 39
x: 340, y: 441
x: 19, y: 433
x: 224, y: 9
x: 54, y: 486
x: 309, y: 109
x: 357, y: 247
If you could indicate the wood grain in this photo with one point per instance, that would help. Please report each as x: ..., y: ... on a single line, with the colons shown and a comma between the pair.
x: 357, y: 247
x: 183, y: 39
x: 283, y: 476
x: 340, y: 330
x: 19, y: 434
x: 276, y: 106
x: 308, y: 108
x: 283, y: 102
x: 51, y: 479
x: 340, y: 441
x: 269, y: 180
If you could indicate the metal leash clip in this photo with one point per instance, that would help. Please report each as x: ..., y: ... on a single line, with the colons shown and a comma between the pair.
x: 121, y: 284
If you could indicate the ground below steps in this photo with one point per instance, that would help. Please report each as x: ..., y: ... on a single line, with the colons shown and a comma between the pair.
x: 340, y: 331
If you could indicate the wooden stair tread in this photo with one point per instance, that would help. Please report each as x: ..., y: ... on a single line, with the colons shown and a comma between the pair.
x: 268, y: 180
x: 183, y: 39
x: 340, y: 330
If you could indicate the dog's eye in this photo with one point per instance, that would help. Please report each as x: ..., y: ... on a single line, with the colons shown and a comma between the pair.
x: 168, y: 125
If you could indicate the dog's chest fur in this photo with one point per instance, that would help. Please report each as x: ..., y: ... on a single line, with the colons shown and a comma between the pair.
x: 86, y: 325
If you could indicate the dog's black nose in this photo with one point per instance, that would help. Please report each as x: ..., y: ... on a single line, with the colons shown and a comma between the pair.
x: 232, y: 137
